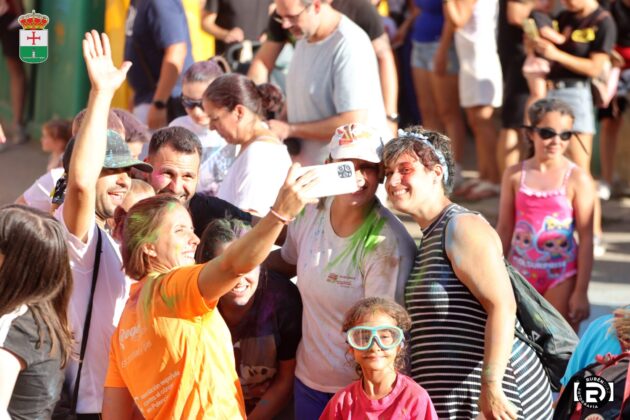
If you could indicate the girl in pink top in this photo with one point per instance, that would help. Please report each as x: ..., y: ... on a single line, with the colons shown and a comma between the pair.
x: 375, y: 329
x: 541, y: 211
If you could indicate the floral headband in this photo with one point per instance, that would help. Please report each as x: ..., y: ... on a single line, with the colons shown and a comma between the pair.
x: 425, y: 140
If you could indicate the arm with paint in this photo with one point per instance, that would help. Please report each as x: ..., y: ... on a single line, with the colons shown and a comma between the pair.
x: 474, y: 250
x: 221, y: 274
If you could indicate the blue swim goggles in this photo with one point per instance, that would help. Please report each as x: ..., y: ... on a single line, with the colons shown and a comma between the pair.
x: 386, y: 336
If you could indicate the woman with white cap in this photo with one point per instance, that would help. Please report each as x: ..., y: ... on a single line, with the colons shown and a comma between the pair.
x: 343, y: 249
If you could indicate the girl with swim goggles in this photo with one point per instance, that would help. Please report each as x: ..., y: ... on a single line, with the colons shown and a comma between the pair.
x: 375, y: 332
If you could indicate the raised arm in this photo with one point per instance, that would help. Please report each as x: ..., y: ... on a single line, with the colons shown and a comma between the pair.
x: 474, y: 250
x: 89, y: 149
x: 221, y: 274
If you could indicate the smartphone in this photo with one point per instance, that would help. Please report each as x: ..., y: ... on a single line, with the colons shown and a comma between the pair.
x: 530, y: 28
x: 333, y: 179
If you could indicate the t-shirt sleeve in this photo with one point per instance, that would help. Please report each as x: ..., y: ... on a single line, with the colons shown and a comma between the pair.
x: 179, y: 293
x: 605, y: 36
x: 368, y: 19
x: 168, y: 23
x: 290, y: 320
x: 20, y: 338
x: 114, y: 379
x: 38, y: 194
x: 275, y: 31
x: 81, y: 253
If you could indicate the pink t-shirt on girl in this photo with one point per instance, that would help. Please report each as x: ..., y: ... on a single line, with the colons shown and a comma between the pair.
x: 408, y: 400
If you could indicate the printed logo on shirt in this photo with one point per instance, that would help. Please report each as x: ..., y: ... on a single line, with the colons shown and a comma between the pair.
x: 584, y: 35
x: 343, y: 281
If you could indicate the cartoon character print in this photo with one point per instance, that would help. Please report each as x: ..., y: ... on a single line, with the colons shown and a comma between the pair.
x: 256, y: 366
x: 522, y: 243
x: 556, y: 245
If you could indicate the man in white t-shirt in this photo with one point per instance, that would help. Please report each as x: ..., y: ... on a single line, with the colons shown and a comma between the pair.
x: 98, y: 180
x: 333, y: 77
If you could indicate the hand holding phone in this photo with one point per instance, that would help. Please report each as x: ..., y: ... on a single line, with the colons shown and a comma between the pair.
x: 530, y: 29
x: 333, y: 179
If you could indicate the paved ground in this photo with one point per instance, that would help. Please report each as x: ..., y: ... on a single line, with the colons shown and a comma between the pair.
x: 610, y: 284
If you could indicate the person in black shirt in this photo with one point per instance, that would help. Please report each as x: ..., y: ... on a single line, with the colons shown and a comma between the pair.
x: 264, y: 315
x: 174, y: 153
x: 35, y: 336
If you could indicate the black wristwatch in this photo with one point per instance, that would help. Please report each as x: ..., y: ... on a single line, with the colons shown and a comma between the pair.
x: 393, y: 117
x: 159, y: 104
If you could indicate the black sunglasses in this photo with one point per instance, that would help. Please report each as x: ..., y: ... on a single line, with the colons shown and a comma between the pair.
x: 547, y: 133
x: 190, y: 103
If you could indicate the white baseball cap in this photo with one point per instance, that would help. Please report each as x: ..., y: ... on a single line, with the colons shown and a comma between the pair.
x: 356, y: 141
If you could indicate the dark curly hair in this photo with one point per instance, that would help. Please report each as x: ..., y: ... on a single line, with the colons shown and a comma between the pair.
x: 406, y: 143
x: 371, y: 305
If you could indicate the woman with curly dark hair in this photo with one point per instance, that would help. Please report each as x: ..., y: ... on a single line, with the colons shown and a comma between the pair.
x: 35, y: 338
x: 459, y: 297
x: 375, y: 329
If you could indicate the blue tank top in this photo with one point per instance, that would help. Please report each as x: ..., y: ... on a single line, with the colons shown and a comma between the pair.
x: 428, y: 25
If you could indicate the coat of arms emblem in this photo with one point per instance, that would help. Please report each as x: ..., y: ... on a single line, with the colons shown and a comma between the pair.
x: 33, y: 38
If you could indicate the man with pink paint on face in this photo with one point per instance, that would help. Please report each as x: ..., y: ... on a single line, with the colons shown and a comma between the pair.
x: 97, y: 166
x: 175, y: 154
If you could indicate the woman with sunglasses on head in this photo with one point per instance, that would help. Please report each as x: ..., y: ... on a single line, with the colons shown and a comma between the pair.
x: 237, y: 109
x: 541, y: 210
x: 217, y: 155
x: 375, y: 331
x: 463, y: 349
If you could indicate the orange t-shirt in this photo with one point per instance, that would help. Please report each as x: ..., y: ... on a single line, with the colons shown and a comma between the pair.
x: 175, y: 354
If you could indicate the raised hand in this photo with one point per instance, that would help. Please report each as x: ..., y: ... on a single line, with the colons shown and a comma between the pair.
x: 97, y: 53
x: 291, y: 198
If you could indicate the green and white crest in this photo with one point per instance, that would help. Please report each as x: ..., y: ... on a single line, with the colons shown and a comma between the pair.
x: 33, y: 38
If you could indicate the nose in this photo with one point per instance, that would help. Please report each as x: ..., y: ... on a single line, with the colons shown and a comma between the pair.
x: 123, y: 179
x: 392, y: 180
x: 194, y: 239
x: 176, y: 185
x: 286, y: 24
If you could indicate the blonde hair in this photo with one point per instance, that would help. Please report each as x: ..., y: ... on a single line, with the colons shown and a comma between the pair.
x: 621, y: 324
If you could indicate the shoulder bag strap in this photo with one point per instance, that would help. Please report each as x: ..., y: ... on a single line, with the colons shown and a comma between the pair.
x: 88, y: 319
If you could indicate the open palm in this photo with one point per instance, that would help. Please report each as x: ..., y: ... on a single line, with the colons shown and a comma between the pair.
x: 97, y: 54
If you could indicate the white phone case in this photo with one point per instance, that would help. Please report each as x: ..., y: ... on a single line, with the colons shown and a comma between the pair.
x: 333, y: 179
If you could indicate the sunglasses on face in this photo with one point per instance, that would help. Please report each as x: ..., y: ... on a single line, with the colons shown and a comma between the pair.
x: 547, y: 133
x: 191, y: 103
x: 387, y: 337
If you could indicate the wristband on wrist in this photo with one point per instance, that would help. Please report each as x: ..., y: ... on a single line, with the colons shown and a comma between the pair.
x: 280, y: 217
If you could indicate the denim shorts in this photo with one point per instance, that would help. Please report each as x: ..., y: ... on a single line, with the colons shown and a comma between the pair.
x: 422, y: 56
x: 580, y: 100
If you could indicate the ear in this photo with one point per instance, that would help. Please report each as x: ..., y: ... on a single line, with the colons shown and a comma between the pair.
x: 149, y: 250
x: 439, y: 171
x: 239, y: 111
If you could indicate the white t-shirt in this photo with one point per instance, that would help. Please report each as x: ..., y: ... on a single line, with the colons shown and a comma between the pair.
x: 255, y: 177
x: 337, y: 74
x: 329, y: 290
x: 38, y: 194
x: 111, y: 293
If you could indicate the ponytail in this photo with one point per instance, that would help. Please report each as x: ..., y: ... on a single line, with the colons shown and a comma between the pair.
x: 272, y: 100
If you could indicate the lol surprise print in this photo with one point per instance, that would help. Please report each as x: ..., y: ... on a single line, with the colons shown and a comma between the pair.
x: 556, y: 245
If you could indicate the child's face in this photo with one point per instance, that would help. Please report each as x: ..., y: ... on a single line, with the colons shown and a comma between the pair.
x: 375, y: 358
x: 551, y: 147
x: 51, y: 144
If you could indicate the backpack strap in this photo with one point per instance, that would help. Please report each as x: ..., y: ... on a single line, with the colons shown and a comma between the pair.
x: 626, y: 390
